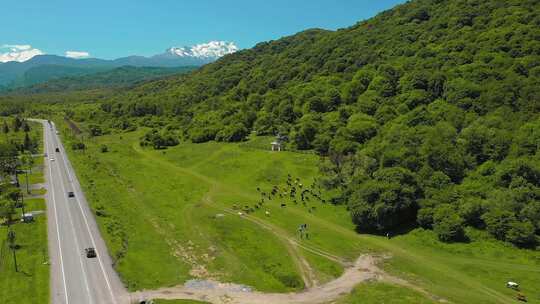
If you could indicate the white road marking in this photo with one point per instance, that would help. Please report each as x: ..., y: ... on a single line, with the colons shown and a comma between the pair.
x: 57, y: 229
x: 87, y: 225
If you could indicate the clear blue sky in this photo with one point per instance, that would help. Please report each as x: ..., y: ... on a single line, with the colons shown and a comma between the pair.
x: 115, y: 28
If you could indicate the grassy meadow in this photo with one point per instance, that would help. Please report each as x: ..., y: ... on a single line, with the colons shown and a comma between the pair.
x: 172, y: 215
x: 30, y: 285
x: 372, y: 293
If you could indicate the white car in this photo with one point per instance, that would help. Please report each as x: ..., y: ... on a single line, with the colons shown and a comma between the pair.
x: 52, y: 159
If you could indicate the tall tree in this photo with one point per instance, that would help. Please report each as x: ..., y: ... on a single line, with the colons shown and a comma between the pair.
x: 17, y: 124
x: 5, y: 128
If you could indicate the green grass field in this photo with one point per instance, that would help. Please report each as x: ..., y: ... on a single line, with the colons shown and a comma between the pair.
x: 377, y: 293
x: 169, y: 215
x: 31, y: 283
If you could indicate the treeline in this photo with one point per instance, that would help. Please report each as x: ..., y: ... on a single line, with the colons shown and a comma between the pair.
x: 125, y: 76
x: 17, y: 137
x: 427, y: 113
x: 17, y: 146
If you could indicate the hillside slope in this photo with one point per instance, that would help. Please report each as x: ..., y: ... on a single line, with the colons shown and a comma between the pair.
x: 465, y: 52
x: 436, y: 100
x: 428, y: 113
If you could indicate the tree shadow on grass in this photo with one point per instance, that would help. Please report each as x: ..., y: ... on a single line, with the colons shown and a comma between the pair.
x: 393, y: 232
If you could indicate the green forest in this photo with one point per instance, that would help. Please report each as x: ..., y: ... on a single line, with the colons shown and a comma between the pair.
x: 425, y: 115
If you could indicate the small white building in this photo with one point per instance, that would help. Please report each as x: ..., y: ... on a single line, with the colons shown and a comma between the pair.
x: 276, y: 146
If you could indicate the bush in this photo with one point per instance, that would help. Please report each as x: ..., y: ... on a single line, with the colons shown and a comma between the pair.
x: 104, y: 149
x: 472, y: 210
x: 200, y: 135
x: 424, y: 218
x: 291, y: 281
x: 521, y: 234
x: 159, y: 140
x: 78, y: 146
x: 447, y: 224
x: 498, y: 222
x: 95, y: 130
x: 233, y: 133
x: 449, y: 228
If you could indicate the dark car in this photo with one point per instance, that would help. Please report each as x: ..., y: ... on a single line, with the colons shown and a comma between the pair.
x: 57, y: 149
x: 90, y: 252
x: 71, y: 194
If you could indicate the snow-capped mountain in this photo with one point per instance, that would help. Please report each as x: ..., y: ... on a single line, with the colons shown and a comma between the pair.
x: 212, y: 49
x: 18, y: 64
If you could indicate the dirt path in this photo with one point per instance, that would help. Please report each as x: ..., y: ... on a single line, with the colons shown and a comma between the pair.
x: 364, y: 269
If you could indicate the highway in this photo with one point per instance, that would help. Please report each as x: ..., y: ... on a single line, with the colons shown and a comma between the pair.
x: 75, y: 279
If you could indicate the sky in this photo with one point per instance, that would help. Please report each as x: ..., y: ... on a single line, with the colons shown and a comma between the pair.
x: 116, y: 28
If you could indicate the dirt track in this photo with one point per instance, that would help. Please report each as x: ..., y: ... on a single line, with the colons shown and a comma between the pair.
x: 364, y: 269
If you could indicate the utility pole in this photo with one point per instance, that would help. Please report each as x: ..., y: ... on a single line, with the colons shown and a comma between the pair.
x: 17, y: 175
x: 11, y: 240
x: 27, y: 186
x: 22, y: 204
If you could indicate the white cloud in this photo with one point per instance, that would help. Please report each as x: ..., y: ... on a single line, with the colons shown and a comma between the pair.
x: 17, y: 52
x: 77, y: 54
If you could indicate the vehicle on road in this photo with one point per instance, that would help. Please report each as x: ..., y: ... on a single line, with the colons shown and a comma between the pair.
x: 57, y: 149
x: 52, y: 159
x: 90, y: 252
x: 71, y: 194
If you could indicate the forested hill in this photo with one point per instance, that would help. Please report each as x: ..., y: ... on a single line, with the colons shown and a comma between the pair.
x: 429, y: 112
x: 476, y: 55
x: 109, y: 79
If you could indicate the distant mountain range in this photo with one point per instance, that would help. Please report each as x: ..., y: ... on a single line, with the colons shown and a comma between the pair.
x: 42, y: 68
x: 124, y: 76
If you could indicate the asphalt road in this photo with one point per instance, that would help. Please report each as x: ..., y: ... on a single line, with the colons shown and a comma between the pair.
x: 75, y: 279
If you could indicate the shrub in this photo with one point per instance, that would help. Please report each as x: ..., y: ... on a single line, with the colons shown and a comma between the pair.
x: 449, y: 228
x: 95, y: 130
x: 447, y: 224
x: 159, y: 140
x: 424, y: 218
x: 498, y: 222
x: 291, y: 281
x: 521, y: 234
x: 78, y: 146
x: 200, y: 135
x: 472, y: 210
x: 233, y: 133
